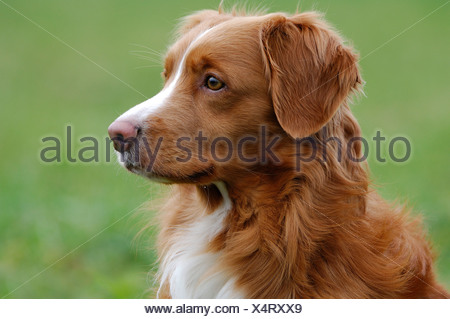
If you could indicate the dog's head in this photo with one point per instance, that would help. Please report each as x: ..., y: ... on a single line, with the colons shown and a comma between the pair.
x: 232, y: 85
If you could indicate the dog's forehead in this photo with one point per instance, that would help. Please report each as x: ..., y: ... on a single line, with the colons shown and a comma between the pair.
x: 234, y: 31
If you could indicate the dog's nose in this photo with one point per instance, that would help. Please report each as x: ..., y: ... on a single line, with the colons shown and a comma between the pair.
x: 123, y: 133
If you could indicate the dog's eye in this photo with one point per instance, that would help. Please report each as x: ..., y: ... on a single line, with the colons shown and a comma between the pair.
x: 214, y: 84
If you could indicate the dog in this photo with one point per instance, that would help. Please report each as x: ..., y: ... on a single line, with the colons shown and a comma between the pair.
x: 246, y: 96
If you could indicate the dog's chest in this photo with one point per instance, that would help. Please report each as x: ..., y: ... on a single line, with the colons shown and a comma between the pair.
x: 188, y: 267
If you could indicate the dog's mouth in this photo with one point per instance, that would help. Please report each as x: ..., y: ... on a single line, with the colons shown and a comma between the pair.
x: 165, y: 174
x: 200, y: 177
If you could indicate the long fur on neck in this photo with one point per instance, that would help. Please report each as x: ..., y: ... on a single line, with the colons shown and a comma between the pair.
x: 317, y: 233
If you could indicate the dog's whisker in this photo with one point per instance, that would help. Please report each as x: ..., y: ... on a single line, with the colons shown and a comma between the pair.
x: 147, y: 66
x: 147, y: 52
x: 159, y: 54
x: 144, y: 57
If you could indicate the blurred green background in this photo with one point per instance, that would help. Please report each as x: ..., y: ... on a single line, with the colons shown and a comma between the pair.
x: 67, y: 230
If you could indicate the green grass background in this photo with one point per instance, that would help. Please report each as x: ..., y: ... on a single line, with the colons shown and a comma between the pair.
x: 51, y: 214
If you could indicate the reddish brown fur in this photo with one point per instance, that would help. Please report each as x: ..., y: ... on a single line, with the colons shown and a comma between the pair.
x: 320, y: 232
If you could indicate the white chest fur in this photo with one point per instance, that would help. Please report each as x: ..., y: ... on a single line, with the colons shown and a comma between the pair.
x: 190, y: 270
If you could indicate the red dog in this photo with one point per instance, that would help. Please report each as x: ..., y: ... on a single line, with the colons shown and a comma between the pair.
x: 244, y: 218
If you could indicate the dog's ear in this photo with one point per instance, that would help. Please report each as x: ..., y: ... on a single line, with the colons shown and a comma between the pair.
x: 310, y: 71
